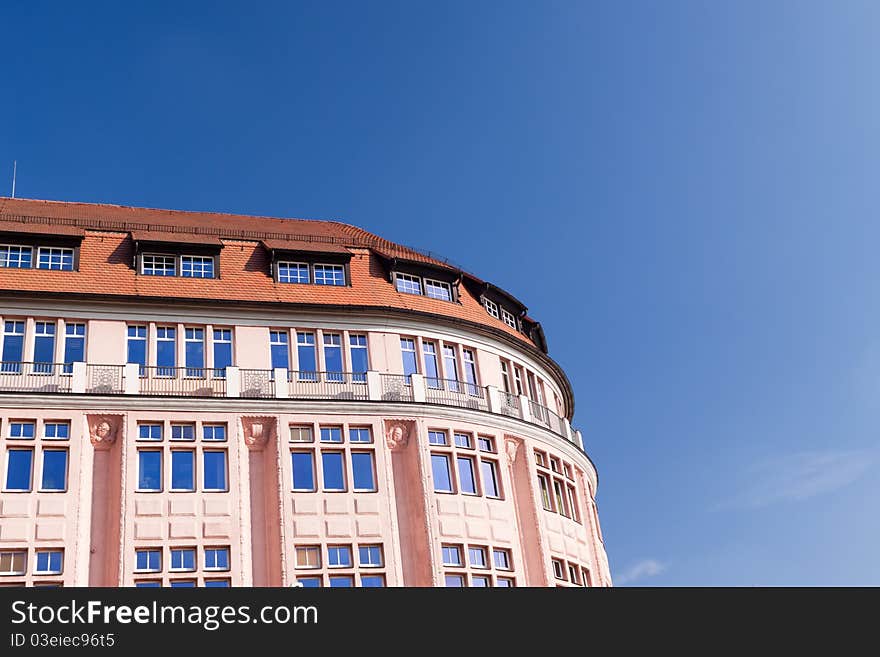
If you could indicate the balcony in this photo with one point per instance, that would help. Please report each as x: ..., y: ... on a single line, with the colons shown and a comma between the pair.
x: 233, y: 382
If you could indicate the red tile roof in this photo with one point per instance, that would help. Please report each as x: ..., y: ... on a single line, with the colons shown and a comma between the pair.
x: 107, y: 255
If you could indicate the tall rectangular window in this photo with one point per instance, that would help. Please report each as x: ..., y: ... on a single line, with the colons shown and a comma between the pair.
x: 408, y: 351
x: 517, y: 379
x: 44, y: 347
x: 293, y: 272
x: 158, y: 265
x: 50, y: 257
x: 197, y: 266
x: 222, y: 351
x: 333, y: 470
x: 408, y: 284
x: 49, y: 562
x: 360, y: 361
x: 74, y: 345
x: 166, y: 350
x: 19, y: 465
x: 362, y: 471
x: 137, y: 347
x: 450, y: 364
x: 505, y: 377
x: 149, y: 470
x: 466, y: 480
x: 15, y: 257
x: 432, y: 371
x: 54, y: 470
x: 303, y: 464
x: 470, y: 371
x: 305, y: 352
x: 13, y: 346
x: 279, y: 349
x: 214, y: 469
x: 183, y: 470
x: 329, y: 275
x: 194, y: 343
x: 442, y: 475
x: 438, y: 290
x: 544, y: 485
x: 490, y: 479
x: 333, y: 356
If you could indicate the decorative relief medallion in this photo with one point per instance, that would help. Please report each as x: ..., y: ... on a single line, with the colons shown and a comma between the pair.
x: 257, y: 431
x: 511, y: 446
x: 397, y: 433
x: 103, y: 430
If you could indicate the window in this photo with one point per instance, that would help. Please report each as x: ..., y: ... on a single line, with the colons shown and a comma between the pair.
x: 303, y: 464
x: 333, y: 471
x: 360, y: 435
x: 19, y: 463
x: 408, y: 284
x: 333, y: 356
x: 308, y: 556
x: 194, y: 346
x: 560, y: 501
x: 183, y: 432
x: 466, y: 481
x: 331, y: 434
x: 545, y: 492
x: 137, y: 346
x: 54, y: 470
x: 362, y: 471
x: 329, y: 275
x: 13, y: 562
x: 50, y: 257
x: 508, y: 318
x: 44, y: 347
x: 222, y: 351
x: 279, y: 350
x: 309, y: 582
x: 450, y: 365
x: 49, y: 562
x: 183, y: 470
x: 147, y: 584
x: 214, y: 462
x: 305, y: 351
x: 197, y: 266
x: 149, y: 432
x: 217, y: 558
x: 15, y: 257
x: 517, y: 379
x: 360, y: 361
x: 454, y: 581
x: 293, y: 272
x: 166, y: 350
x: 370, y: 556
x: 477, y: 557
x: 217, y: 584
x: 437, y: 438
x: 301, y: 434
x: 505, y: 377
x: 56, y: 430
x: 558, y: 571
x: 490, y: 479
x: 74, y: 345
x: 158, y: 265
x: 501, y: 559
x: 183, y: 584
x: 432, y: 371
x: 372, y: 581
x: 491, y: 307
x: 480, y: 581
x: 451, y: 555
x: 183, y: 559
x: 341, y: 581
x: 541, y: 459
x: 587, y: 579
x: 442, y: 475
x: 148, y: 561
x: 21, y: 430
x: 504, y: 582
x: 486, y: 444
x: 13, y: 346
x: 470, y: 371
x: 438, y: 290
x: 339, y: 556
x: 408, y: 351
x: 463, y: 440
x: 572, y: 503
x: 214, y: 432
x: 149, y: 470
x: 554, y: 464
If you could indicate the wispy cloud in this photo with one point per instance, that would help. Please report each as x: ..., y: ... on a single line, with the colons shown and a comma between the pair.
x: 639, y: 570
x: 800, y: 476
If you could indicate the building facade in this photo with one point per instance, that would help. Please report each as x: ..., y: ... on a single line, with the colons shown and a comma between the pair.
x: 195, y: 399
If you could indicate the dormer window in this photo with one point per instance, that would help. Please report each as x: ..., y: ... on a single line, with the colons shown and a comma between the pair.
x: 508, y: 318
x: 173, y: 254
x: 423, y: 286
x: 329, y: 274
x: 16, y: 257
x: 491, y: 308
x: 196, y: 266
x: 305, y: 273
x: 438, y: 290
x: 158, y: 265
x: 293, y: 272
x: 309, y: 263
x: 166, y: 264
x: 408, y: 284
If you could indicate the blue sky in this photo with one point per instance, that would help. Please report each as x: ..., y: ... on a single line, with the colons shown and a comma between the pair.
x: 684, y: 194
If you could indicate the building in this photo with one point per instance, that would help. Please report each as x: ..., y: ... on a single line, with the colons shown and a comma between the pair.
x: 195, y: 399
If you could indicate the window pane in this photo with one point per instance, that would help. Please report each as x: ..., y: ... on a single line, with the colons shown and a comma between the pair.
x: 362, y: 470
x: 303, y: 471
x: 54, y: 469
x: 217, y: 584
x: 18, y: 469
x: 341, y: 581
x: 329, y: 275
x: 442, y: 476
x: 455, y: 581
x: 490, y: 479
x: 331, y: 434
x: 182, y: 470
x: 451, y: 555
x: 372, y: 581
x: 293, y: 272
x: 466, y: 481
x: 339, y: 556
x: 334, y: 478
x: 215, y: 470
x: 149, y: 470
x: 408, y: 352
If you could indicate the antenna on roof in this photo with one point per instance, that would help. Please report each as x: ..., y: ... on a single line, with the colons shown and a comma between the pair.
x: 14, y: 167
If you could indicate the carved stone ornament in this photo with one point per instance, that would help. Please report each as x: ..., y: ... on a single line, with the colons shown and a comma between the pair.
x: 257, y: 431
x: 103, y: 430
x: 511, y: 445
x: 397, y: 433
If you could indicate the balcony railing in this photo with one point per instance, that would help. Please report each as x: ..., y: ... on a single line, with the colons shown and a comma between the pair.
x: 133, y: 379
x: 327, y: 385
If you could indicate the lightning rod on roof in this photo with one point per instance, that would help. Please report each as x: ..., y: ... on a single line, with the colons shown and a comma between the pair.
x: 14, y: 167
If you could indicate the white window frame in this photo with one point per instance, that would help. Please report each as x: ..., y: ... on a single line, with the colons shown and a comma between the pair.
x: 440, y: 284
x: 21, y: 248
x: 59, y: 251
x: 14, y: 573
x: 37, y: 554
x: 508, y: 318
x: 165, y: 257
x: 299, y: 265
x: 333, y: 268
x: 408, y: 280
x: 198, y: 263
x: 491, y: 308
